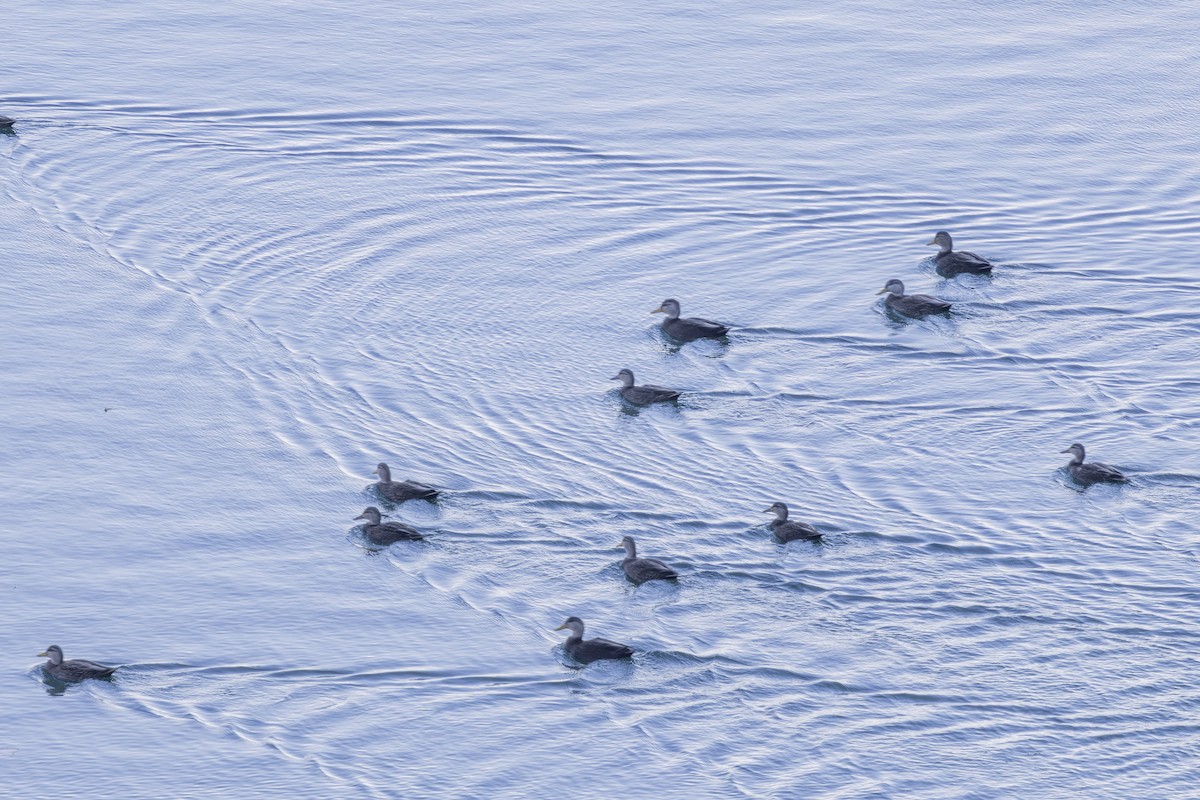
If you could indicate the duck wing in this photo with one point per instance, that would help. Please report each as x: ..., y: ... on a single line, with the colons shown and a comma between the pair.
x: 791, y: 531
x: 660, y: 390
x: 640, y: 570
x: 645, y: 395
x: 687, y: 329
x: 917, y: 305
x: 400, y: 491
x: 388, y: 532
x: 967, y: 255
x: 959, y: 261
x: 78, y: 669
x: 596, y: 649
x: 1096, y: 472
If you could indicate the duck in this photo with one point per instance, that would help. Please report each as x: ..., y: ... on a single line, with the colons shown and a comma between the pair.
x: 6, y: 124
x: 949, y: 263
x: 911, y: 305
x: 643, y: 395
x: 788, y: 531
x: 1094, y: 472
x: 589, y: 650
x: 687, y: 329
x: 73, y: 671
x: 640, y: 570
x: 384, y: 533
x: 400, y: 491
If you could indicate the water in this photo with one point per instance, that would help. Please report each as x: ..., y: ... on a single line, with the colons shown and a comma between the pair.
x: 284, y: 242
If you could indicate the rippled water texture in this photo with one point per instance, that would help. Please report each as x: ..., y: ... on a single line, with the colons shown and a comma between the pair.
x: 284, y: 242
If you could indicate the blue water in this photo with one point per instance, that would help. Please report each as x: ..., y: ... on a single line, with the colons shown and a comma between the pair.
x: 284, y: 242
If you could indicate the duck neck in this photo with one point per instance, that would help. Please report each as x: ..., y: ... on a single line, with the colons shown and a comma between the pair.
x: 385, y: 474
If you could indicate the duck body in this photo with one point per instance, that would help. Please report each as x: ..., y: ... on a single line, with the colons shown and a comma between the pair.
x: 6, y: 123
x: 1095, y: 472
x: 648, y: 394
x: 384, y: 533
x: 74, y: 670
x: 640, y: 570
x: 387, y: 532
x: 401, y: 491
x: 585, y: 651
x: 688, y: 329
x: 1087, y: 473
x: 643, y: 395
x: 786, y: 530
x: 958, y: 262
x: 950, y: 262
x: 916, y: 306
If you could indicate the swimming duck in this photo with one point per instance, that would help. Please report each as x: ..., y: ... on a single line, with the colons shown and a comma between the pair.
x: 911, y: 305
x: 640, y: 570
x: 1095, y: 472
x: 75, y: 670
x: 384, y: 533
x: 689, y: 328
x: 643, y: 395
x: 786, y: 531
x: 585, y: 652
x: 399, y: 491
x: 950, y: 263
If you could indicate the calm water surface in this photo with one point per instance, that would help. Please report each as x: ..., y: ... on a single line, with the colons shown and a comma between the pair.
x: 283, y: 242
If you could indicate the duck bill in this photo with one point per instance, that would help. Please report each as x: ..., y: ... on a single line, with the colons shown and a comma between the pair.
x: 562, y: 627
x: 767, y: 510
x: 931, y: 241
x: 1065, y: 451
x: 881, y: 291
x: 659, y: 310
x: 361, y: 516
x: 43, y: 655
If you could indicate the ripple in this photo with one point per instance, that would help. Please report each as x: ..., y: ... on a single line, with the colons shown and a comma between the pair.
x: 311, y: 292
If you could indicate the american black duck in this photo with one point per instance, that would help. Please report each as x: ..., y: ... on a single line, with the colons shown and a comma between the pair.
x: 950, y: 262
x: 384, y: 533
x: 687, y: 329
x: 640, y: 570
x: 787, y: 530
x: 400, y: 491
x: 643, y: 395
x: 589, y: 650
x: 911, y: 305
x: 75, y: 670
x: 1092, y: 472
